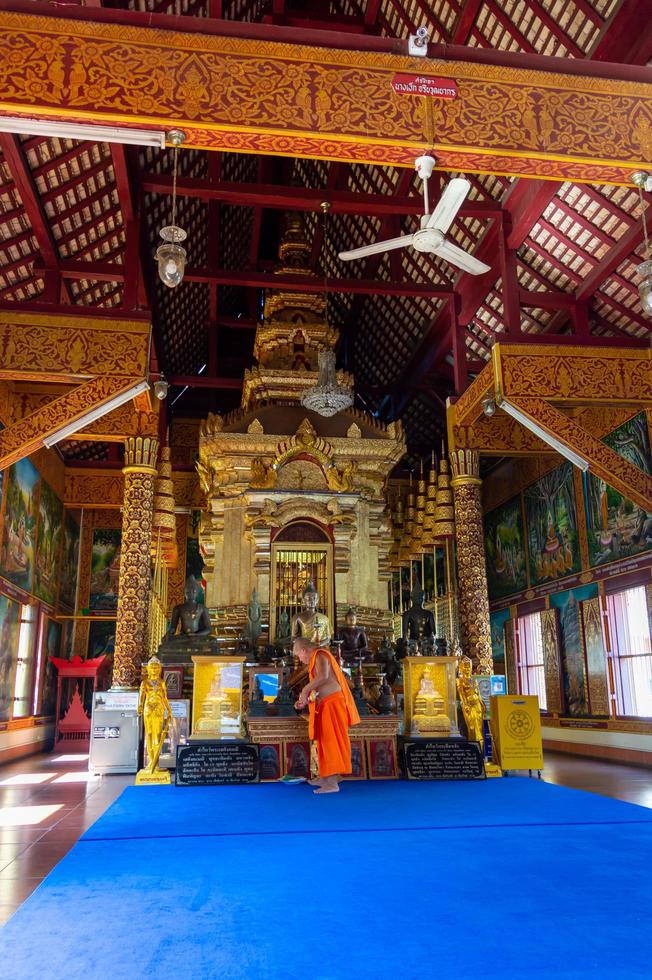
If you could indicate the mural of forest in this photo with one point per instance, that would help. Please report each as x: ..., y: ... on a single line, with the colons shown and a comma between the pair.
x: 551, y: 521
x: 505, y: 551
x: 69, y: 563
x: 105, y: 570
x: 52, y: 649
x: 617, y: 527
x: 21, y: 511
x: 573, y: 663
x: 49, y: 531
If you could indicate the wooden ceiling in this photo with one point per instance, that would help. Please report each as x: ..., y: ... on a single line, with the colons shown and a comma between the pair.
x: 562, y: 255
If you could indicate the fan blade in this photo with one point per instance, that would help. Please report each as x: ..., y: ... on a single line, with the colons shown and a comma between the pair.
x: 457, y: 256
x: 449, y: 204
x: 391, y: 243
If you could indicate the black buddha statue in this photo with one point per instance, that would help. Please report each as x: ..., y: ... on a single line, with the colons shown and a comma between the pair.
x: 352, y: 637
x: 193, y: 623
x: 418, y: 625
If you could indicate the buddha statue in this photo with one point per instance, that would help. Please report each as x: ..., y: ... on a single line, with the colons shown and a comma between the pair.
x: 283, y: 631
x: 253, y: 628
x: 257, y: 705
x: 428, y: 716
x: 308, y: 622
x: 473, y: 707
x: 418, y: 623
x: 352, y: 637
x: 194, y: 628
x: 387, y: 658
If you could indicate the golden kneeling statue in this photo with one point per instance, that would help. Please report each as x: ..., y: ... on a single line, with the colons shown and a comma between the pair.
x: 473, y: 707
x: 155, y: 709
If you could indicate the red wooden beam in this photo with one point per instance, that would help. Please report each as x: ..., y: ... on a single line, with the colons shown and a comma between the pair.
x: 623, y: 248
x: 284, y: 198
x: 465, y: 21
x: 112, y: 272
x: 29, y: 195
x: 546, y: 300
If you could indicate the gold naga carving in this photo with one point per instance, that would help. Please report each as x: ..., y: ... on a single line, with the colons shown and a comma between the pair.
x: 217, y: 477
x: 260, y: 96
x: 341, y: 480
x: 263, y: 475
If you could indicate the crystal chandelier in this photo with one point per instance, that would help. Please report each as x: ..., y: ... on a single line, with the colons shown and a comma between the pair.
x: 327, y: 397
x: 644, y: 270
x: 171, y: 256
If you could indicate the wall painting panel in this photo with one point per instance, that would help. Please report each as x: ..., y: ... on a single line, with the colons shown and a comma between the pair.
x: 551, y: 522
x: 21, y: 510
x: 505, y: 550
x: 9, y: 629
x: 49, y: 531
x: 105, y: 570
x: 616, y: 527
x: 572, y: 647
x: 69, y: 563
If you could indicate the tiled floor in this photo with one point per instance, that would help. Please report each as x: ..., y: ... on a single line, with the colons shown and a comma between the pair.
x: 48, y: 801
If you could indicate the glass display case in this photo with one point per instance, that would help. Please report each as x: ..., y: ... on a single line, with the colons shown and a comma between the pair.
x: 217, y: 698
x: 429, y: 696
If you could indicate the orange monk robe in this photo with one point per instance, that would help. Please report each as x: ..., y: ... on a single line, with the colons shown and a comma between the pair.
x: 330, y: 718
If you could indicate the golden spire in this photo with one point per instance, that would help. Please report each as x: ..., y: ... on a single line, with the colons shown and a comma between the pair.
x: 428, y: 536
x: 444, y: 526
x: 417, y: 529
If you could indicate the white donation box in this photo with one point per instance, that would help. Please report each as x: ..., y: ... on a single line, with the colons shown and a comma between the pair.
x: 115, y: 732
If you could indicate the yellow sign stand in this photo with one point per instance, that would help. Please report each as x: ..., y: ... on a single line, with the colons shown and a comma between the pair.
x: 516, y: 731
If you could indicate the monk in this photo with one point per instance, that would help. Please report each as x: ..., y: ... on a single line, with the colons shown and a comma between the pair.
x: 332, y: 710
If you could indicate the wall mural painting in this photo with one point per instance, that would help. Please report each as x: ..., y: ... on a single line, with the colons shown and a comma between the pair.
x: 105, y: 570
x: 9, y: 629
x: 504, y: 549
x: 20, y: 524
x: 497, y: 621
x: 52, y: 635
x: 101, y: 638
x: 572, y: 647
x: 617, y: 527
x: 69, y: 563
x: 49, y: 533
x: 551, y: 521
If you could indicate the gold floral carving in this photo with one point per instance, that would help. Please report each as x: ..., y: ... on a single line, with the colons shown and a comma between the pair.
x: 596, y: 656
x: 177, y: 574
x: 93, y: 488
x: 60, y: 348
x: 135, y: 561
x: 269, y: 97
x: 23, y: 437
x: 471, y: 569
x: 551, y: 659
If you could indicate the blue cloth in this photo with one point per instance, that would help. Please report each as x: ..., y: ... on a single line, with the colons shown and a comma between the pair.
x: 520, y: 897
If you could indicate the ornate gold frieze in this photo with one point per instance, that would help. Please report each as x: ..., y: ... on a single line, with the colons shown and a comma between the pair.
x: 551, y: 659
x: 328, y: 103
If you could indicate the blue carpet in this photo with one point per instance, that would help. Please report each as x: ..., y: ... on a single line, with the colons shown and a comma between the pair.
x: 522, y: 897
x: 562, y: 902
x: 169, y: 811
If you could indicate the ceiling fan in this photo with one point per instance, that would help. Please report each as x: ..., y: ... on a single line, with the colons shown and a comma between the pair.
x: 431, y: 236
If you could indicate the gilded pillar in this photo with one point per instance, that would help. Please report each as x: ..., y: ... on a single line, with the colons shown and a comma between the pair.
x: 471, y: 568
x: 135, y: 560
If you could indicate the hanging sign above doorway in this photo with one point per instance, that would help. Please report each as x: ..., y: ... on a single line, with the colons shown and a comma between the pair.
x: 436, y: 88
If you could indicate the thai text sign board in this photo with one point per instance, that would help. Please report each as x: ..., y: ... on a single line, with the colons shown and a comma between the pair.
x: 516, y: 730
x: 216, y: 763
x: 435, y: 88
x: 442, y: 758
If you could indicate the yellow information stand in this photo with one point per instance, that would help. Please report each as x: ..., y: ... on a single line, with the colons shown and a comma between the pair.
x: 516, y: 731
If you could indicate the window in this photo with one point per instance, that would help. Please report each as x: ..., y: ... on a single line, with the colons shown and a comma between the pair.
x: 531, y: 675
x: 631, y: 652
x: 23, y: 693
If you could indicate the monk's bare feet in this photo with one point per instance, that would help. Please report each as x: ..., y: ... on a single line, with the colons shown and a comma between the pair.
x: 315, y: 782
x: 329, y: 785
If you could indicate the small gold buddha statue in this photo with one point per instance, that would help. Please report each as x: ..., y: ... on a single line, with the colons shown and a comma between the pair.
x: 429, y: 716
x: 308, y: 622
x: 473, y: 707
x: 215, y: 709
x: 156, y: 713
